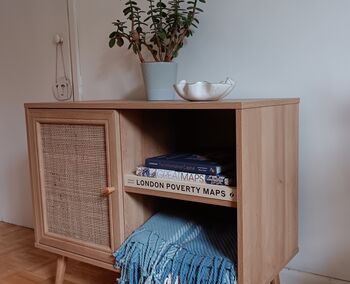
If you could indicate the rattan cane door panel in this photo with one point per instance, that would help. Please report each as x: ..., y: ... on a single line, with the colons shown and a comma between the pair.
x: 74, y: 173
x: 73, y: 159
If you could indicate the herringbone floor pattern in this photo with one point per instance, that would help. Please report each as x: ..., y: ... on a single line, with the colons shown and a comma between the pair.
x: 22, y: 263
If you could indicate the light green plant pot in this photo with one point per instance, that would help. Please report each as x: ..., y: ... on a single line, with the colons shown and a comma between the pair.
x: 159, y: 79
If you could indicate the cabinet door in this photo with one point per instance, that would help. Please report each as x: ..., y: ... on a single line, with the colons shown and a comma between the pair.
x: 74, y: 156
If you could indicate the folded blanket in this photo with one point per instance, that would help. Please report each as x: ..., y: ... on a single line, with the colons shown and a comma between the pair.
x: 173, y: 248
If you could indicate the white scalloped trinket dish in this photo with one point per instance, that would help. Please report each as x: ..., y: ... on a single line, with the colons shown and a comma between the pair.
x: 204, y: 91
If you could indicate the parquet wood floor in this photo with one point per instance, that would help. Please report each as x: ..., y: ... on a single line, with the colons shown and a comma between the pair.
x: 22, y: 263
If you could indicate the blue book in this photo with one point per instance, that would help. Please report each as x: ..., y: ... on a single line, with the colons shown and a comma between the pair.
x: 208, y: 164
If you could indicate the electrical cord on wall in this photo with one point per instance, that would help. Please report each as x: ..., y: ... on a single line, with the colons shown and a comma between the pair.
x: 62, y: 88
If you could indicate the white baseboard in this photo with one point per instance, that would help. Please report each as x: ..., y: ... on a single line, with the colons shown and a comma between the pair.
x: 289, y: 276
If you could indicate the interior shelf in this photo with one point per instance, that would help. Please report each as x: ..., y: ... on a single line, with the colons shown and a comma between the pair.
x: 195, y: 192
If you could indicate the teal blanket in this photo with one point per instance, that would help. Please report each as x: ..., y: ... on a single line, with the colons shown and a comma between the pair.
x: 174, y: 248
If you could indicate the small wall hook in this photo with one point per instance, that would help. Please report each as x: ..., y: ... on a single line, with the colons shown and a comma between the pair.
x: 58, y: 39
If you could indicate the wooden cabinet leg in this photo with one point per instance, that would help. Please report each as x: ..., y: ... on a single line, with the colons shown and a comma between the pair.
x: 61, y: 269
x: 276, y: 280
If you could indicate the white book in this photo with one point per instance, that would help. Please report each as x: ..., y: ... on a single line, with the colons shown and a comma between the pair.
x: 183, y: 176
x: 220, y: 192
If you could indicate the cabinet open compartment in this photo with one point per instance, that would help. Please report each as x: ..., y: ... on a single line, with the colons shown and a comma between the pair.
x: 186, y: 234
x: 149, y: 133
x: 262, y: 141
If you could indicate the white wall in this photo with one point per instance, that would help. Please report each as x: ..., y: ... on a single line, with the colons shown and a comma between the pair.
x: 106, y: 73
x: 27, y: 70
x: 273, y: 48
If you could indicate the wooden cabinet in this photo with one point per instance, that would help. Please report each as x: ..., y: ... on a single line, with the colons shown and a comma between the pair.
x: 77, y: 150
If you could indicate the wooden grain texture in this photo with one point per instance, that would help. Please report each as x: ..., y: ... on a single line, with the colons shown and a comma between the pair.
x: 115, y: 172
x: 267, y: 154
x: 142, y: 135
x: 110, y: 120
x: 225, y: 104
x: 266, y: 146
x: 22, y: 263
x: 276, y: 280
x: 78, y: 257
x: 197, y: 199
x: 60, y: 269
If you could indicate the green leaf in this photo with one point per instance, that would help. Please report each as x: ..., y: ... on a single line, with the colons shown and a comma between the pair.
x: 189, y: 33
x: 120, y: 42
x: 113, y: 34
x: 127, y: 10
x: 111, y: 42
x: 161, y: 5
x: 166, y: 21
x: 162, y: 35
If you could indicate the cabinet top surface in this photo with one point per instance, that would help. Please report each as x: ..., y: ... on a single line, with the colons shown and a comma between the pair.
x: 123, y: 104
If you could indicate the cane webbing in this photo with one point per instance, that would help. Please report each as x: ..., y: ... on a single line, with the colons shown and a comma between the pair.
x: 75, y: 173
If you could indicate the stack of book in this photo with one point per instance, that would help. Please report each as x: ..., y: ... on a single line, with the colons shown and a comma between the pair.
x: 203, y: 175
x: 209, y: 168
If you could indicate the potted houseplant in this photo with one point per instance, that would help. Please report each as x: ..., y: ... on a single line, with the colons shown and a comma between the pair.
x: 160, y: 30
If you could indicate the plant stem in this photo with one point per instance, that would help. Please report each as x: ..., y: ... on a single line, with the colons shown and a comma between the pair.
x: 151, y: 50
x: 135, y: 36
x: 168, y: 51
x: 184, y: 31
x: 159, y: 29
x: 155, y: 31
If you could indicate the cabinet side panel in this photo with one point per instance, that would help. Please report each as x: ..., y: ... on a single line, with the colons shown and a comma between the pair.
x: 291, y: 178
x: 267, y: 197
x: 34, y: 174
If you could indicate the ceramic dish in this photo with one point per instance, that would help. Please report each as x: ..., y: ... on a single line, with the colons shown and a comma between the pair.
x: 204, y: 91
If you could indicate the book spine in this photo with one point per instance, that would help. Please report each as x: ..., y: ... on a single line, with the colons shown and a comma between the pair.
x: 183, y: 167
x: 219, y: 192
x: 182, y: 176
